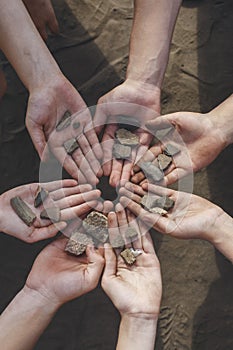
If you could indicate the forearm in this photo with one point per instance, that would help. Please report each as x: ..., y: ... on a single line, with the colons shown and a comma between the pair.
x: 24, y: 320
x: 137, y: 333
x: 151, y: 35
x: 23, y: 46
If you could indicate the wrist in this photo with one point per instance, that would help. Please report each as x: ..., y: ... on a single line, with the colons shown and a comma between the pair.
x: 46, y: 78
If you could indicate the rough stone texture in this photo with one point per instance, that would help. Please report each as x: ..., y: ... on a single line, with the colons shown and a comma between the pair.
x: 70, y: 146
x: 126, y: 137
x: 171, y: 150
x: 121, y: 152
x: 164, y: 161
x: 152, y: 171
x: 77, y: 243
x: 40, y: 196
x: 23, y: 211
x: 64, y: 122
x: 128, y: 256
x: 96, y: 224
x: 53, y: 214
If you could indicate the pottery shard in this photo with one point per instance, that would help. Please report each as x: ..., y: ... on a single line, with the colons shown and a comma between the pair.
x: 128, y: 256
x: 164, y: 161
x: 117, y: 241
x: 96, y: 224
x: 64, y: 122
x: 171, y: 150
x: 77, y: 243
x: 149, y: 201
x: 131, y: 234
x: 152, y: 171
x: 23, y: 211
x: 121, y: 151
x: 40, y: 196
x: 70, y: 146
x: 164, y: 202
x: 158, y: 210
x: 127, y: 138
x: 129, y: 123
x: 52, y: 213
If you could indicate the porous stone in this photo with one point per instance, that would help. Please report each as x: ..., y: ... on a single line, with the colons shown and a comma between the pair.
x: 96, y: 224
x: 164, y: 161
x: 171, y: 150
x: 70, y: 146
x: 52, y: 213
x: 64, y: 122
x: 152, y: 171
x: 40, y: 196
x: 121, y: 151
x: 23, y: 211
x: 77, y: 243
x: 128, y: 256
x: 126, y: 137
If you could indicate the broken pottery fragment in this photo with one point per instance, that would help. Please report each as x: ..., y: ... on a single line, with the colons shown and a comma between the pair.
x: 126, y: 137
x: 64, y: 122
x: 121, y: 151
x: 128, y: 256
x: 23, y: 211
x: 149, y: 201
x: 164, y: 161
x: 152, y: 171
x: 40, y: 196
x: 164, y: 202
x: 157, y: 210
x: 52, y: 213
x: 116, y: 241
x: 77, y: 243
x: 128, y: 123
x: 171, y: 150
x: 96, y: 224
x: 70, y: 146
x: 76, y: 125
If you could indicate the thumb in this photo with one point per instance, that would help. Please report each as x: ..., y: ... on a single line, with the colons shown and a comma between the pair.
x: 110, y: 262
x: 95, y: 264
x: 38, y: 138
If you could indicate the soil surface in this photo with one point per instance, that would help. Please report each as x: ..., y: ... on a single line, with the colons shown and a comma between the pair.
x: 92, y: 51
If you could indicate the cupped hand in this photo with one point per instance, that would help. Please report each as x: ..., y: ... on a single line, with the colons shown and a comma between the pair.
x: 133, y: 99
x: 72, y: 200
x: 46, y: 107
x: 60, y: 277
x: 43, y: 16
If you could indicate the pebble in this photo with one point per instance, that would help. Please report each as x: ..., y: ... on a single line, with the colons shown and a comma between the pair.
x: 164, y: 161
x: 77, y: 243
x: 152, y: 171
x: 70, y: 146
x: 40, y: 196
x: 23, y: 211
x: 121, y: 151
x: 127, y: 138
x: 52, y: 213
x: 171, y: 150
x: 64, y: 122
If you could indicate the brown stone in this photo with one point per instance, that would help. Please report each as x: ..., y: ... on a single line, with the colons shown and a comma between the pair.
x: 128, y: 256
x: 127, y: 138
x: 64, y: 122
x: 40, y: 196
x: 121, y: 151
x: 77, y: 243
x: 96, y: 224
x: 23, y: 211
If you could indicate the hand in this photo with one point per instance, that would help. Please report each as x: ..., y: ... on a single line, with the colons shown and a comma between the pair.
x: 72, y: 200
x: 47, y: 104
x: 134, y: 290
x: 43, y: 16
x: 132, y: 98
x: 191, y: 216
x: 61, y: 277
x: 198, y: 138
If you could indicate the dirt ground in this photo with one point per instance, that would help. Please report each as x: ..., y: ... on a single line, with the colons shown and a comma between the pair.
x: 92, y: 50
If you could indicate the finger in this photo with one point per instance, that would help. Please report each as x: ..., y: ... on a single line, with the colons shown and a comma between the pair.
x: 73, y: 226
x: 67, y: 191
x: 174, y: 176
x: 107, y: 146
x: 107, y: 207
x: 126, y: 170
x: 53, y: 23
x: 130, y: 195
x: 147, y: 243
x: 77, y: 199
x: 145, y: 137
x: 117, y: 166
x: 95, y: 266
x: 59, y: 185
x: 161, y: 122
x: 37, y: 135
x: 159, y: 190
x: 113, y: 229
x: 122, y: 219
x: 74, y: 212
x: 135, y: 188
x: 47, y: 232
x: 84, y: 167
x: 89, y: 155
x: 67, y: 162
x: 110, y: 264
x: 137, y: 178
x: 93, y: 140
x: 134, y: 224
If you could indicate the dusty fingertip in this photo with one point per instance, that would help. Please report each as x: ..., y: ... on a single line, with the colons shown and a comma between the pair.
x: 107, y: 246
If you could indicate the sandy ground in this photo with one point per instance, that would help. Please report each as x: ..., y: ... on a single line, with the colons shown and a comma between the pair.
x: 92, y: 50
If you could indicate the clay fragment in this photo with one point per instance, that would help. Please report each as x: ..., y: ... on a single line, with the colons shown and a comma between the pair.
x: 128, y: 256
x: 164, y: 161
x: 117, y: 241
x: 96, y: 224
x: 77, y: 243
x: 149, y: 201
x: 126, y: 137
x: 131, y: 234
x: 164, y: 202
x: 76, y: 125
x: 152, y: 171
x: 121, y: 152
x: 70, y: 146
x: 40, y: 196
x: 52, y: 213
x: 171, y: 150
x: 128, y: 123
x: 23, y: 211
x: 64, y: 122
x: 157, y: 210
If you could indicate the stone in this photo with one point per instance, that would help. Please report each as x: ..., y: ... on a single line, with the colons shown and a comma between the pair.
x: 128, y: 256
x: 121, y: 152
x: 128, y: 123
x: 131, y: 234
x: 152, y: 171
x: 77, y: 243
x: 117, y: 241
x: 52, y: 213
x: 96, y: 224
x: 40, y: 196
x: 164, y: 202
x: 127, y: 138
x: 171, y: 150
x: 70, y: 146
x: 22, y: 210
x: 149, y: 201
x: 164, y: 161
x: 158, y: 210
x: 64, y: 122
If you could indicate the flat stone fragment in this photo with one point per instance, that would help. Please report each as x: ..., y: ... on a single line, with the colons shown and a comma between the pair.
x: 52, y: 213
x: 116, y: 241
x: 76, y: 125
x: 96, y: 224
x: 158, y: 210
x: 149, y: 201
x: 164, y: 161
x: 131, y: 234
x: 127, y: 138
x: 64, y: 122
x: 128, y: 123
x: 152, y: 171
x: 23, y: 211
x: 171, y: 150
x: 40, y: 196
x: 121, y: 152
x: 70, y: 146
x: 164, y: 202
x: 77, y: 243
x: 128, y: 256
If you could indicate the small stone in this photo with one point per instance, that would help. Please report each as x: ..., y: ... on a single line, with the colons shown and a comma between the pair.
x: 52, y: 213
x: 128, y: 256
x: 152, y: 171
x: 149, y: 201
x: 76, y: 125
x: 136, y: 252
x: 164, y: 202
x: 164, y: 161
x: 96, y: 224
x: 117, y: 241
x: 23, y: 211
x: 77, y: 243
x: 64, y: 122
x: 171, y: 150
x: 126, y: 137
x: 121, y: 151
x: 128, y: 123
x: 158, y: 210
x: 131, y: 234
x: 40, y: 196
x: 70, y: 146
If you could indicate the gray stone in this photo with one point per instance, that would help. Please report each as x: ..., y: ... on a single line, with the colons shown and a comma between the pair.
x: 70, y: 146
x: 129, y: 123
x: 126, y: 137
x: 64, y: 122
x: 121, y: 151
x: 164, y: 161
x: 171, y: 150
x: 152, y: 171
